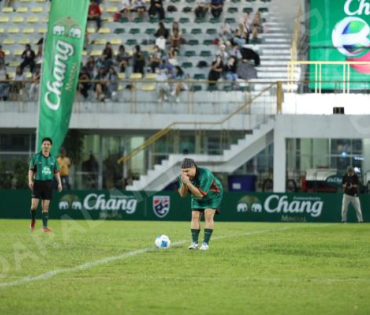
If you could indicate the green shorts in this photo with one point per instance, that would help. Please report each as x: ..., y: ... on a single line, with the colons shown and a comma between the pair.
x: 217, y: 210
x: 213, y: 203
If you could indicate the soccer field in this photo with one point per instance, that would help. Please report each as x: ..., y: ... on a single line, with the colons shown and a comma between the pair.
x: 112, y: 267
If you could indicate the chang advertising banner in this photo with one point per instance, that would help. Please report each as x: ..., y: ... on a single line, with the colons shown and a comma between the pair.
x: 169, y: 206
x: 290, y: 207
x: 60, y: 70
x: 340, y: 31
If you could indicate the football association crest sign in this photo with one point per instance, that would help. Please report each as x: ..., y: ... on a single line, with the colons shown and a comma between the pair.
x: 161, y: 205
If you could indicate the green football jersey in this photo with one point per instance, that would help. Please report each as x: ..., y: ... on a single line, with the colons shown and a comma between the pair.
x: 44, y: 167
x: 209, y: 186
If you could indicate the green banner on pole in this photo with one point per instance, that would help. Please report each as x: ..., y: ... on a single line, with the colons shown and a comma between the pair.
x: 61, y: 66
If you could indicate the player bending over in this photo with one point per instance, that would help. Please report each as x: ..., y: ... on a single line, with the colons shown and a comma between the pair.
x: 206, y: 194
x: 43, y: 167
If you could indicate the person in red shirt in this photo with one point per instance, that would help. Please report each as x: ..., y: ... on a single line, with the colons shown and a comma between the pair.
x: 2, y: 56
x: 94, y: 13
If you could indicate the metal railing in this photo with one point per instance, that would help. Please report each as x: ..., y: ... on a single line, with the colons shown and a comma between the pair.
x: 139, y: 96
x: 201, y: 125
x: 344, y: 79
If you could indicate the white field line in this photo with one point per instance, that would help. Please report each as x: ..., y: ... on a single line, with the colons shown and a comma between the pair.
x: 103, y: 261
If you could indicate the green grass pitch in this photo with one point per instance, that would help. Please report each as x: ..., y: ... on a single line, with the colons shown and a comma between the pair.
x: 112, y: 267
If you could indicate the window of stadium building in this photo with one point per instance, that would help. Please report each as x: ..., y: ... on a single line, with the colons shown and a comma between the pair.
x: 303, y: 154
x: 15, y: 152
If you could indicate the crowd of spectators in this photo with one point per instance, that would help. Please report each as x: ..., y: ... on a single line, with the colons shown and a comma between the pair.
x: 232, y: 62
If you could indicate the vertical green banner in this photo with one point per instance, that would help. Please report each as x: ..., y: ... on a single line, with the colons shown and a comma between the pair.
x: 339, y: 31
x: 61, y: 65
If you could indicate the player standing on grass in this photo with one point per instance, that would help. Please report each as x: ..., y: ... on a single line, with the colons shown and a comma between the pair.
x: 42, y: 169
x: 206, y: 194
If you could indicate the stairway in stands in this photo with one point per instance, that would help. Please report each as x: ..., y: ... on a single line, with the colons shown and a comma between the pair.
x: 231, y: 159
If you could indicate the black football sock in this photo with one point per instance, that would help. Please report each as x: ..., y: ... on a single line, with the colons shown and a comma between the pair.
x: 207, y: 235
x: 45, y: 217
x: 33, y: 214
x: 195, y: 235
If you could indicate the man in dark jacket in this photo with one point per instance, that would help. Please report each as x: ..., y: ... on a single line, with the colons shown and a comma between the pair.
x: 351, y: 187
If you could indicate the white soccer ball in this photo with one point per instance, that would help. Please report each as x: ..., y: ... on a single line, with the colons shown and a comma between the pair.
x: 162, y: 241
x: 351, y: 36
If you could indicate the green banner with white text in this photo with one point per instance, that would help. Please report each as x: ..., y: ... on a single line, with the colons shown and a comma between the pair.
x: 340, y: 32
x: 169, y: 206
x: 61, y: 65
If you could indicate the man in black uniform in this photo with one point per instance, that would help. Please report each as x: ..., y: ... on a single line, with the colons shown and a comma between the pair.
x: 351, y: 185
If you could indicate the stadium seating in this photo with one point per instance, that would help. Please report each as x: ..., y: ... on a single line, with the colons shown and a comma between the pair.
x: 28, y: 24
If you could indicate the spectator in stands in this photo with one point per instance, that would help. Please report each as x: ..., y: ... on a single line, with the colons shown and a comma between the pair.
x: 126, y: 8
x: 162, y: 84
x: 222, y: 52
x: 106, y: 59
x: 230, y: 69
x: 155, y: 59
x: 240, y: 37
x: 18, y: 84
x: 4, y: 85
x: 28, y: 57
x: 235, y: 51
x: 94, y: 13
x: 156, y: 6
x: 138, y: 59
x: 162, y: 31
x: 246, y: 24
x: 175, y: 41
x: 224, y: 32
x: 216, y: 7
x: 2, y: 56
x: 245, y: 70
x: 166, y: 65
x: 84, y: 87
x: 172, y: 57
x: 257, y: 26
x: 35, y: 85
x: 179, y: 85
x: 101, y: 85
x: 162, y: 35
x: 112, y: 86
x: 122, y: 58
x: 201, y: 9
x: 91, y: 66
x: 140, y: 8
x: 176, y: 27
x: 40, y: 48
x: 9, y: 3
x: 215, y: 72
x: 107, y: 52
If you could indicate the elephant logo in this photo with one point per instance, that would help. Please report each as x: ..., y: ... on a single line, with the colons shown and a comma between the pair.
x: 75, y: 32
x: 63, y: 205
x: 76, y: 205
x: 67, y: 27
x: 242, y: 207
x: 59, y: 30
x: 256, y: 207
